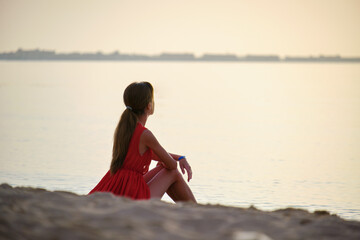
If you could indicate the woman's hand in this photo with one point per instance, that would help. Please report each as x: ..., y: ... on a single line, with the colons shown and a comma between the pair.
x: 184, y: 165
x: 160, y: 164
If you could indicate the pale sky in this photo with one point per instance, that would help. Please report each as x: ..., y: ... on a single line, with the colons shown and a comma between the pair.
x: 283, y: 27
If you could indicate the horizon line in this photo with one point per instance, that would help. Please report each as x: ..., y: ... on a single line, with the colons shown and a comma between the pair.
x: 51, y: 55
x: 166, y: 52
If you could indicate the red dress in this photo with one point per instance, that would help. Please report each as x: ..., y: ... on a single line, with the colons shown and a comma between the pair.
x: 128, y: 181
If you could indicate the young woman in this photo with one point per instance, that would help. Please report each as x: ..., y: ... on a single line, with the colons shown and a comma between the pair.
x: 134, y: 148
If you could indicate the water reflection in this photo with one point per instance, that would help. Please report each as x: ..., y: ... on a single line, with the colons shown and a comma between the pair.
x: 271, y: 135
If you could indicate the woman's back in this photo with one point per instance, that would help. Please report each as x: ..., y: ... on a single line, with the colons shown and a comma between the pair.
x: 128, y: 181
x: 134, y: 160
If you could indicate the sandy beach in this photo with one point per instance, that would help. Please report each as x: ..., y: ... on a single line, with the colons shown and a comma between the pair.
x: 34, y: 213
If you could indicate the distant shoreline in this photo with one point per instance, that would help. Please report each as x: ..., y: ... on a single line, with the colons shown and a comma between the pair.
x: 45, y: 55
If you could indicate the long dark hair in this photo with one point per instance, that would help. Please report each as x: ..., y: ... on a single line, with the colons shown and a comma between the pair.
x: 137, y: 96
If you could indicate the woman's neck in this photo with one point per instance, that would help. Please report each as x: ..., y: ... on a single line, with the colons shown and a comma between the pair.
x: 142, y: 119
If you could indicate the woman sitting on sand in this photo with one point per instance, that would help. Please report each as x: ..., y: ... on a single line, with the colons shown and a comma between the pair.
x: 134, y: 148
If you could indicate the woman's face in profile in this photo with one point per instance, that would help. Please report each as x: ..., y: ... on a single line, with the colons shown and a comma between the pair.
x: 152, y: 107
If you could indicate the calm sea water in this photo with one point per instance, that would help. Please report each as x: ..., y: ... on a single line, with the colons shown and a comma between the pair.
x: 265, y: 134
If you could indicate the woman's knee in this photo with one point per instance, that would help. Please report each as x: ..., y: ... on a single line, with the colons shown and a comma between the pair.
x: 174, y: 173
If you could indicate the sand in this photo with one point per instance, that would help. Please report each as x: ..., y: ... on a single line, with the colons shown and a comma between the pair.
x: 33, y: 213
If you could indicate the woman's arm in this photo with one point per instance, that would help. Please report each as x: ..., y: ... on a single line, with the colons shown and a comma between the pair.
x: 183, y: 163
x: 159, y: 152
x: 167, y: 159
x: 156, y: 158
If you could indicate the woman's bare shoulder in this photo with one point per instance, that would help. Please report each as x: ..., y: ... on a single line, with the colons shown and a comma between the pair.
x: 149, y: 139
x: 147, y: 135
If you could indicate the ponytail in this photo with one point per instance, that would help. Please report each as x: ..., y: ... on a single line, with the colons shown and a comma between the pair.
x: 122, y: 137
x: 136, y: 97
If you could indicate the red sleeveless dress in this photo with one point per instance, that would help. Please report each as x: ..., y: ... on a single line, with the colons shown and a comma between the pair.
x: 128, y: 181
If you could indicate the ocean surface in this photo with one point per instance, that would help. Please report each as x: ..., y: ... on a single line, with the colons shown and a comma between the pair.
x: 272, y: 135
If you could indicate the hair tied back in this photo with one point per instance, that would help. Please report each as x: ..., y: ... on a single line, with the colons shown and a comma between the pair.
x: 130, y: 108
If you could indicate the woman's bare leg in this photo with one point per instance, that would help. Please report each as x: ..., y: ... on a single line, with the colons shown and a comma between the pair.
x: 149, y: 175
x: 172, y: 182
x: 179, y: 189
